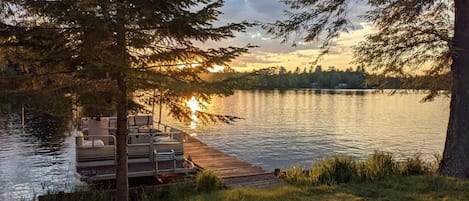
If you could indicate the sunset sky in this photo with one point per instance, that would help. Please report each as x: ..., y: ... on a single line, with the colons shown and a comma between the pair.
x: 271, y: 52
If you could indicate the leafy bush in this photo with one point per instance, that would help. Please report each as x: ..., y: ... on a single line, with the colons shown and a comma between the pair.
x: 207, y: 181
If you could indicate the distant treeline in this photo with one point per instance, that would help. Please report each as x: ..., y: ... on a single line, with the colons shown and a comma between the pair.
x: 332, y: 78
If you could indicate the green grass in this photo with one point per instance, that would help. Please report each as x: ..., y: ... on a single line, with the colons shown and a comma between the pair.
x: 398, y: 188
x: 424, y: 188
x: 207, y: 181
x: 380, y: 177
x: 342, y: 169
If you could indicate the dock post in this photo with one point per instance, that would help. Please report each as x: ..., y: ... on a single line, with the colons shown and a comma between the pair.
x: 277, y: 172
x: 22, y: 116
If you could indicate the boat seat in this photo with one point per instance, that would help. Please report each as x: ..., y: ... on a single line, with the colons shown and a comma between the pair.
x: 106, y: 152
x: 177, y: 147
x: 93, y: 143
x: 140, y: 120
x: 162, y: 139
x: 138, y: 150
x: 100, y: 127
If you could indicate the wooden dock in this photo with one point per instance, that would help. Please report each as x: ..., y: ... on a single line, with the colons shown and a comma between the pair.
x: 234, y: 172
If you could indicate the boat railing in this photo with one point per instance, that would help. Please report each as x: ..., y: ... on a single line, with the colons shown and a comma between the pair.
x: 174, y: 132
x: 148, y: 137
x: 167, y: 128
x: 169, y: 156
x: 139, y: 138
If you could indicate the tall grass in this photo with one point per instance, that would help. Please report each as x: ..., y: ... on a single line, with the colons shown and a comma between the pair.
x: 298, y: 175
x: 379, y: 165
x: 416, y: 166
x: 334, y: 170
x: 342, y: 169
x: 207, y: 181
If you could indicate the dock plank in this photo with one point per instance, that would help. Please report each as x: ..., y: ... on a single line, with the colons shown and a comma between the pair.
x: 234, y: 172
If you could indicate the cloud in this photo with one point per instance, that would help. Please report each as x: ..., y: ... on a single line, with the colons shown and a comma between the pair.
x: 270, y: 51
x: 257, y: 36
x: 252, y: 10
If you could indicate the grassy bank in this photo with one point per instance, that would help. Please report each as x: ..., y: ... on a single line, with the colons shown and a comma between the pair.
x: 426, y: 188
x: 342, y: 169
x: 380, y: 177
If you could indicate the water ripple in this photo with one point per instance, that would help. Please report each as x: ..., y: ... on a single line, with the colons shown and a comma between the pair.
x: 283, y: 129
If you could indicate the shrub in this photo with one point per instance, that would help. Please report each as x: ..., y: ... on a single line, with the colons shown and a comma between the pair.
x: 334, y: 170
x: 435, y: 165
x: 379, y: 165
x: 342, y: 169
x: 297, y: 176
x: 207, y: 181
x: 414, y: 166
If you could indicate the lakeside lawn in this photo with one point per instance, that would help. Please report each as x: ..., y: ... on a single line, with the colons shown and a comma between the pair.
x: 401, y: 188
x: 397, y: 188
x: 380, y: 177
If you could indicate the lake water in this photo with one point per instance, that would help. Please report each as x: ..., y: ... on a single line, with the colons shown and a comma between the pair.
x: 278, y: 129
x: 35, y: 159
x: 281, y: 129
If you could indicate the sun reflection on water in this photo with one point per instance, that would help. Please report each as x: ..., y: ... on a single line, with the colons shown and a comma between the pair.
x: 194, y: 106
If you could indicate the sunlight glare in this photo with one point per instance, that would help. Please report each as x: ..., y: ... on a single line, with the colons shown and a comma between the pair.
x: 182, y: 66
x: 194, y: 106
x: 216, y: 69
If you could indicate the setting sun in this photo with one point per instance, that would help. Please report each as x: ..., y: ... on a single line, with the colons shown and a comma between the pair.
x: 193, y: 104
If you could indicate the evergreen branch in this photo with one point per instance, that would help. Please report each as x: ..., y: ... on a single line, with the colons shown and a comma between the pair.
x: 34, y: 75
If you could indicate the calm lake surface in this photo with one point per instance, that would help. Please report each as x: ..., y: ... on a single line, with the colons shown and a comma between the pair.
x: 35, y: 159
x: 279, y: 129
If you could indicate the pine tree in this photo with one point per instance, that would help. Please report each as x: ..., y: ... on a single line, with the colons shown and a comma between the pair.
x: 411, y: 34
x: 122, y: 49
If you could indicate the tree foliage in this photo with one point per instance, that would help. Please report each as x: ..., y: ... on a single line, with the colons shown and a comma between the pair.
x: 116, y: 51
x: 427, y: 35
x: 81, y: 57
x: 419, y: 39
x: 279, y: 78
x: 326, y: 19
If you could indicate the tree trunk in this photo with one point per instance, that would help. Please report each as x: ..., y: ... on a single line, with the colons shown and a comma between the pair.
x: 122, y: 182
x: 455, y: 160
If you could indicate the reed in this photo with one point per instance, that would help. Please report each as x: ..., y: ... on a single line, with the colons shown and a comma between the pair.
x: 297, y: 175
x: 379, y: 165
x: 207, y: 181
x: 342, y: 169
x: 334, y: 170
